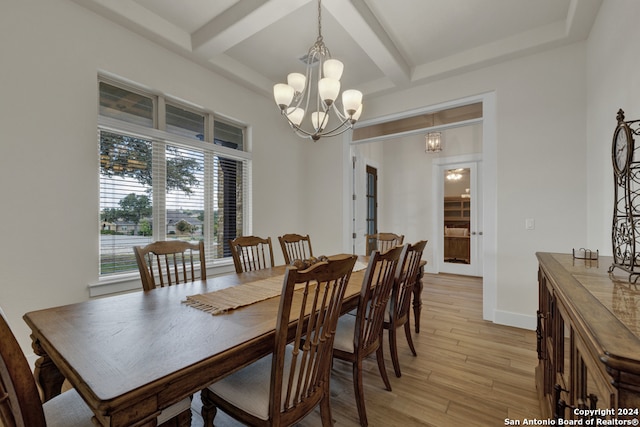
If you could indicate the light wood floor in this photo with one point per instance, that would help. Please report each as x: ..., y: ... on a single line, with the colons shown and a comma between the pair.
x: 468, y: 372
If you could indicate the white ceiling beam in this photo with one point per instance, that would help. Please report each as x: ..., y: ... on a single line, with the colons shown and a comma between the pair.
x: 358, y: 20
x: 510, y: 47
x: 239, y: 22
x: 580, y: 18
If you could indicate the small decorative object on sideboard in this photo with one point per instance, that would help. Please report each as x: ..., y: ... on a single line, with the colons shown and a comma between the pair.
x: 625, y: 232
x: 583, y: 253
x: 589, y: 257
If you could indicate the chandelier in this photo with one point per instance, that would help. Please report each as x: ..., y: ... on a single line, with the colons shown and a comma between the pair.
x: 302, y: 92
x: 454, y: 174
x: 433, y: 142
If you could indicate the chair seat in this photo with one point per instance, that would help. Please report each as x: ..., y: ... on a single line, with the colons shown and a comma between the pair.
x: 343, y: 339
x: 69, y: 410
x: 248, y: 388
x: 347, y: 325
x: 346, y: 328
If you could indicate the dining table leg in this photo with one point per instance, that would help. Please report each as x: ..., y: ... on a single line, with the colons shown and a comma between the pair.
x: 46, y: 373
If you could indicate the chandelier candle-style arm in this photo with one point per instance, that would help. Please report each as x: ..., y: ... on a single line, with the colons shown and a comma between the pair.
x: 320, y: 91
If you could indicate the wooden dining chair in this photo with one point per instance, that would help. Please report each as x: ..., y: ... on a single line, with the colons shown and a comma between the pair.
x: 170, y: 262
x: 361, y: 335
x: 251, y: 253
x: 383, y: 241
x: 295, y: 246
x: 397, y: 313
x: 20, y: 403
x: 283, y: 387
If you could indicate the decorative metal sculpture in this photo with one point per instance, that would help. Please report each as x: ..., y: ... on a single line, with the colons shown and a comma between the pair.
x: 625, y: 232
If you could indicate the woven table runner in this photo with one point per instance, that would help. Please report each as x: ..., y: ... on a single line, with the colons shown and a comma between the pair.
x: 226, y: 299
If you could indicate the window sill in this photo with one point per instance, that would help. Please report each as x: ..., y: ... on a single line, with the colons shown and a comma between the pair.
x: 131, y: 282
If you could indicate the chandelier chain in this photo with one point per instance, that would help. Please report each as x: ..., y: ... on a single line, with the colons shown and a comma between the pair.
x: 319, y: 20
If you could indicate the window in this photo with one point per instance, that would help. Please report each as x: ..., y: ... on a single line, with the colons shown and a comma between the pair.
x: 181, y: 121
x: 182, y: 176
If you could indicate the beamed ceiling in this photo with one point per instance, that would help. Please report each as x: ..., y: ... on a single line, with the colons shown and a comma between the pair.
x: 385, y: 45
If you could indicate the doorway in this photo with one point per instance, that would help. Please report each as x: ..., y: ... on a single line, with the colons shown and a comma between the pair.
x: 459, y: 194
x: 489, y: 264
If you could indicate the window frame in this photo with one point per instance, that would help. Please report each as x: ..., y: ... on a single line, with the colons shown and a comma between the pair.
x: 160, y: 138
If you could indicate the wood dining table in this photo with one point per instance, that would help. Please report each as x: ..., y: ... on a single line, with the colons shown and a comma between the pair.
x: 132, y: 355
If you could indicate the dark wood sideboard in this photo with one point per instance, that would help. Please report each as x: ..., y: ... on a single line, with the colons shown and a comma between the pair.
x: 588, y: 341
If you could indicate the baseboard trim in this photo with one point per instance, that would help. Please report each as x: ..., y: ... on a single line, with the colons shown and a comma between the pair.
x: 516, y: 320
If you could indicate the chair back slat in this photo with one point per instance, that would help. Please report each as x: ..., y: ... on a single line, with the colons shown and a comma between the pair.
x: 170, y: 262
x: 251, y: 253
x: 20, y: 404
x: 382, y: 242
x: 380, y: 276
x: 295, y: 246
x: 297, y: 390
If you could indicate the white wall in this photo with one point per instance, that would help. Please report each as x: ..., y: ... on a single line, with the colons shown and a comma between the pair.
x: 52, y: 51
x: 320, y: 206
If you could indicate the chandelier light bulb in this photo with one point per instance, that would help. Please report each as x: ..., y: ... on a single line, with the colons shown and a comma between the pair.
x: 328, y: 89
x: 433, y: 142
x: 297, y: 81
x: 319, y: 120
x: 332, y: 68
x: 351, y: 101
x: 283, y: 95
x: 295, y: 115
